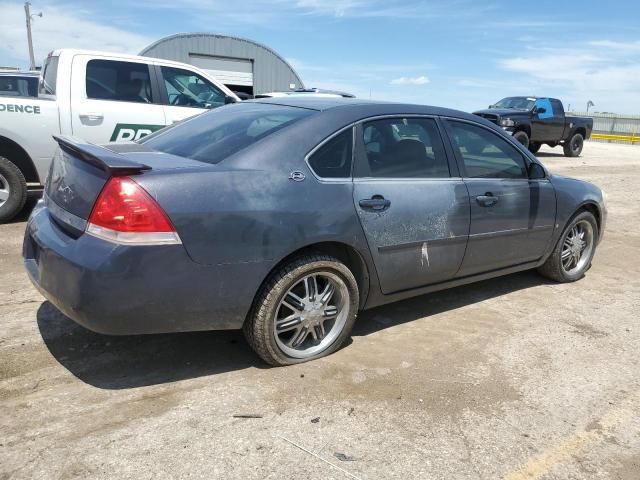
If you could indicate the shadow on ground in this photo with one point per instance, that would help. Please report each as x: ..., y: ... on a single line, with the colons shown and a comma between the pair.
x: 550, y: 154
x: 117, y: 362
x: 23, y: 215
x: 120, y: 362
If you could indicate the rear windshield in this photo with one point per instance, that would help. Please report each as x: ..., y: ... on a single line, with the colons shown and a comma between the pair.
x: 216, y: 135
x: 49, y: 76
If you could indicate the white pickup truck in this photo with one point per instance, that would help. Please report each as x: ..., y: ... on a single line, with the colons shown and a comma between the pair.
x: 97, y: 96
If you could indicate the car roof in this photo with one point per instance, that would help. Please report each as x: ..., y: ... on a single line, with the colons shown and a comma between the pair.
x: 312, y: 102
x: 124, y: 56
x: 368, y: 107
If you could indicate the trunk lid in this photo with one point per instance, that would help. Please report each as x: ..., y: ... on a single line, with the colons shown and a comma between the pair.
x: 80, y: 170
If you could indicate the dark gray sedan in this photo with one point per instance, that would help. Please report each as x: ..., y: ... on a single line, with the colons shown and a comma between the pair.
x: 287, y: 216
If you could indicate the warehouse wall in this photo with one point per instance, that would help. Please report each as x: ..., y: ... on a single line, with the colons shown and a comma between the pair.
x: 270, y: 71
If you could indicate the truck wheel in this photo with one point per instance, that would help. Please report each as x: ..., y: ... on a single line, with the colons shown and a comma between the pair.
x: 574, y: 251
x: 13, y: 190
x: 305, y: 310
x: 522, y: 137
x: 534, y: 147
x: 573, y: 147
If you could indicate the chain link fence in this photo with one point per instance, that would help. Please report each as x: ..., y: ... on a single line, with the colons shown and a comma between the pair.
x: 613, y: 128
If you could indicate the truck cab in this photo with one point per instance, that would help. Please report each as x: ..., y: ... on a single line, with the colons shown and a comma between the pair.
x: 99, y: 97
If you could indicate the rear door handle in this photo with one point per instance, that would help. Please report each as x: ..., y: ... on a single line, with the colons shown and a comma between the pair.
x: 487, y: 200
x: 377, y: 203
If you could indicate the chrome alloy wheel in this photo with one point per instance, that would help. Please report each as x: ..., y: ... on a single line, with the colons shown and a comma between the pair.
x: 5, y: 190
x: 311, y: 315
x: 577, y: 247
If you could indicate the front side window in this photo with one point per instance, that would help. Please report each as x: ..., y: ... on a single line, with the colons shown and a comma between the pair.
x: 118, y: 81
x: 403, y: 148
x: 216, y: 135
x: 333, y: 159
x: 188, y: 89
x: 544, y: 108
x: 485, y: 154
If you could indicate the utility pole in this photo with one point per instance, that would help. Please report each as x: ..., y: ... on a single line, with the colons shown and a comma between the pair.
x: 27, y: 11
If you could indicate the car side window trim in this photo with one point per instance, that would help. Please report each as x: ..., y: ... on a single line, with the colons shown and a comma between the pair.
x: 460, y: 161
x: 360, y: 156
x: 322, y: 144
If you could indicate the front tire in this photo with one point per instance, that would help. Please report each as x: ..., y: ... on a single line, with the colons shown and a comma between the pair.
x: 13, y: 190
x: 572, y: 256
x: 522, y: 137
x: 534, y: 147
x: 573, y: 147
x: 304, y: 311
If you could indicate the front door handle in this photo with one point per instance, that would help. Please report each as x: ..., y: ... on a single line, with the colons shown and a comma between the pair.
x: 487, y: 200
x: 377, y: 203
x: 91, y: 116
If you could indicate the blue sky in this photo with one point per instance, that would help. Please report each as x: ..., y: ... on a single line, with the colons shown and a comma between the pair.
x: 461, y: 53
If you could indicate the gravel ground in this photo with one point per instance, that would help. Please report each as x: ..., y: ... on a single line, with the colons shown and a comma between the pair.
x: 514, y: 378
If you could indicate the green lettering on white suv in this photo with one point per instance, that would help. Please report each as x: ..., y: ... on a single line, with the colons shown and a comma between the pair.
x: 132, y: 131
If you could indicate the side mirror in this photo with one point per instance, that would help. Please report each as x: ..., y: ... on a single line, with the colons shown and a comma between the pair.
x: 536, y: 172
x: 539, y: 110
x: 228, y: 100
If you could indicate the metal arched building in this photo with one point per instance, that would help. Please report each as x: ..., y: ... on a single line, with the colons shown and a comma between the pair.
x: 241, y: 64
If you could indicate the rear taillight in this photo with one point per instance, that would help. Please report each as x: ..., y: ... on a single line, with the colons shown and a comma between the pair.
x: 125, y: 213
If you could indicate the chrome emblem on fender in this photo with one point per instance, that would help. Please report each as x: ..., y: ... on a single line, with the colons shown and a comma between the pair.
x: 297, y: 176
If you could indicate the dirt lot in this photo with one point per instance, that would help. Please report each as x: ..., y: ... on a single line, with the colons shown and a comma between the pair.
x: 513, y: 378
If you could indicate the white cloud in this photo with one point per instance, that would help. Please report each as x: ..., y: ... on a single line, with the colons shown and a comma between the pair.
x: 61, y: 27
x: 617, y: 47
x: 421, y: 80
x: 274, y: 12
x: 608, y: 74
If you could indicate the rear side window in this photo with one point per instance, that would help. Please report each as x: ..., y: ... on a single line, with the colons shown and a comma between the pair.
x: 18, y: 86
x: 119, y: 81
x: 220, y: 133
x: 49, y: 76
x: 485, y: 154
x: 333, y: 159
x: 557, y: 107
x: 403, y: 148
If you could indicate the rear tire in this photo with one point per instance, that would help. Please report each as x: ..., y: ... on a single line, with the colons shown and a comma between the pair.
x: 522, y: 137
x: 573, y: 147
x: 534, y: 147
x: 290, y: 321
x: 13, y: 190
x: 559, y: 266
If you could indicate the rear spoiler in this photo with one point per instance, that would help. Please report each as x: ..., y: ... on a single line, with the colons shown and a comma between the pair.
x: 106, y: 160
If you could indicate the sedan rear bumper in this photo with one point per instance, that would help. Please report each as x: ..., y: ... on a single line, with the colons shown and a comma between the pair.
x: 120, y: 290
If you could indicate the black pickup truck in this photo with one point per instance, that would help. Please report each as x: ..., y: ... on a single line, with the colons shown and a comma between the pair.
x: 537, y: 120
